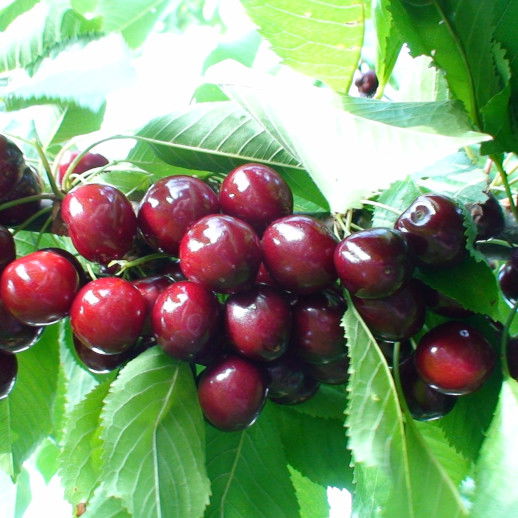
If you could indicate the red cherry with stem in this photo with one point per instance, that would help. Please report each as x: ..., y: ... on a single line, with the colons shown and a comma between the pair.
x: 108, y: 315
x: 8, y: 372
x: 454, y: 358
x: 15, y: 336
x: 256, y: 194
x: 7, y: 248
x: 170, y: 207
x: 11, y: 166
x: 367, y: 83
x: 38, y: 289
x: 87, y: 162
x: 222, y: 253
x: 100, y: 221
x: 298, y: 253
x: 232, y: 393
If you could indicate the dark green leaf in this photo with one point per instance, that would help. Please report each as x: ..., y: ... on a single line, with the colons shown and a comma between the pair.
x: 328, y: 403
x: 312, y: 498
x: 13, y: 9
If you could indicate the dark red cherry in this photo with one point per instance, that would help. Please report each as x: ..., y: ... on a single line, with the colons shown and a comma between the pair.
x: 387, y: 348
x: 11, y: 166
x: 100, y: 221
x: 7, y: 248
x: 508, y: 279
x: 512, y: 357
x: 150, y: 288
x: 367, y: 83
x: 298, y: 252
x: 318, y: 336
x: 173, y: 270
x: 424, y: 402
x: 29, y: 185
x: 232, y: 393
x: 265, y: 277
x: 87, y: 162
x: 256, y: 194
x: 108, y: 315
x: 373, y: 263
x: 258, y: 323
x: 170, y: 207
x: 442, y: 304
x: 38, y: 289
x: 8, y: 372
x: 434, y: 227
x: 488, y: 217
x: 288, y: 381
x: 14, y: 335
x: 99, y: 363
x: 454, y: 358
x: 185, y: 317
x: 221, y: 252
x: 396, y: 317
x: 330, y: 373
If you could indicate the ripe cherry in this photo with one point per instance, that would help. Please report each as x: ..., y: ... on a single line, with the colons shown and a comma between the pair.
x: 221, y: 252
x: 100, y: 221
x: 14, y: 335
x: 232, y: 393
x: 454, y: 358
x: 7, y: 248
x: 508, y: 279
x: 170, y: 207
x: 150, y: 288
x: 298, y: 252
x: 373, y: 263
x: 108, y: 315
x: 87, y: 162
x: 83, y: 277
x: 99, y: 363
x: 434, y: 227
x: 8, y: 372
x: 442, y: 304
x: 258, y: 323
x: 488, y: 217
x: 256, y: 194
x: 387, y: 348
x: 367, y: 83
x: 185, y: 318
x: 11, y: 166
x: 38, y: 288
x: 512, y: 357
x: 330, y: 373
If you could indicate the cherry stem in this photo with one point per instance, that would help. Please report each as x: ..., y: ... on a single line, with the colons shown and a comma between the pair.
x: 29, y: 220
x: 381, y: 206
x: 507, y: 187
x: 126, y: 265
x: 26, y: 199
x: 43, y: 228
x: 48, y: 171
x: 91, y: 271
x: 397, y: 377
x: 505, y: 340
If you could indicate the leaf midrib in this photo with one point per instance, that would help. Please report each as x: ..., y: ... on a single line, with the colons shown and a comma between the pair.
x: 231, y: 475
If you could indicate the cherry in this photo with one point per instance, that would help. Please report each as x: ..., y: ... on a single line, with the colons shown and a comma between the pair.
x: 435, y: 230
x: 170, y: 207
x: 221, y: 252
x: 99, y: 363
x: 330, y: 373
x: 289, y: 382
x: 367, y: 83
x: 512, y: 357
x: 14, y: 335
x: 256, y: 194
x: 424, y: 403
x: 298, y: 252
x: 8, y: 372
x: 100, y: 221
x: 7, y: 248
x: 232, y: 393
x: 373, y: 263
x: 150, y: 288
x: 317, y: 334
x: 87, y: 162
x: 508, y: 279
x: 11, y: 166
x: 258, y: 323
x: 396, y: 317
x: 38, y: 288
x: 83, y: 277
x: 454, y: 358
x: 488, y: 217
x: 387, y: 348
x: 108, y: 315
x: 265, y: 277
x: 442, y: 304
x: 173, y: 270
x: 185, y: 318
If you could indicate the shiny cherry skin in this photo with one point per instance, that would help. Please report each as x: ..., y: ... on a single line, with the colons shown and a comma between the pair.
x: 108, y: 315
x: 367, y: 83
x: 15, y: 336
x: 512, y: 357
x: 258, y: 323
x: 29, y: 185
x: 318, y: 336
x: 488, y: 217
x: 330, y: 373
x: 11, y: 166
x: 150, y: 288
x: 442, y: 304
x: 298, y: 253
x: 185, y: 318
x: 424, y: 402
x: 38, y: 289
x: 256, y: 194
x: 222, y: 253
x: 434, y: 227
x: 454, y: 358
x: 373, y: 263
x: 232, y: 393
x: 87, y: 162
x: 265, y: 277
x: 396, y: 317
x: 83, y: 277
x: 8, y: 372
x: 170, y: 207
x: 96, y: 362
x: 508, y: 279
x: 7, y: 248
x: 100, y: 221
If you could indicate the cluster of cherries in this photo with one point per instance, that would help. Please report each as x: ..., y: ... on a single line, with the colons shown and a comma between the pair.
x: 245, y: 288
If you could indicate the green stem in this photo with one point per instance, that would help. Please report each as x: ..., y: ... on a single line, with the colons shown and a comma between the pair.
x: 397, y: 377
x: 43, y: 229
x: 505, y: 339
x: 26, y: 199
x: 29, y: 220
x: 48, y: 170
x: 381, y: 206
x: 126, y: 265
x: 505, y: 182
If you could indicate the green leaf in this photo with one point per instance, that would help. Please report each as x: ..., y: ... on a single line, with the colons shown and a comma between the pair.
x: 79, y: 459
x: 323, y: 462
x: 497, y: 468
x: 312, y: 498
x: 320, y: 39
x: 23, y: 493
x: 154, y: 439
x: 395, y: 469
x: 13, y: 9
x: 249, y: 473
x: 26, y: 415
x: 102, y: 504
x: 506, y: 17
x: 119, y: 15
x: 136, y: 33
x: 127, y: 181
x: 84, y: 6
x: 328, y: 403
x: 47, y: 460
x: 218, y: 137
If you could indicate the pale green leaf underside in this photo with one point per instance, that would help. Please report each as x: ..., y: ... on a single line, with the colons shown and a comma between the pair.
x: 119, y: 15
x: 320, y: 39
x: 312, y: 497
